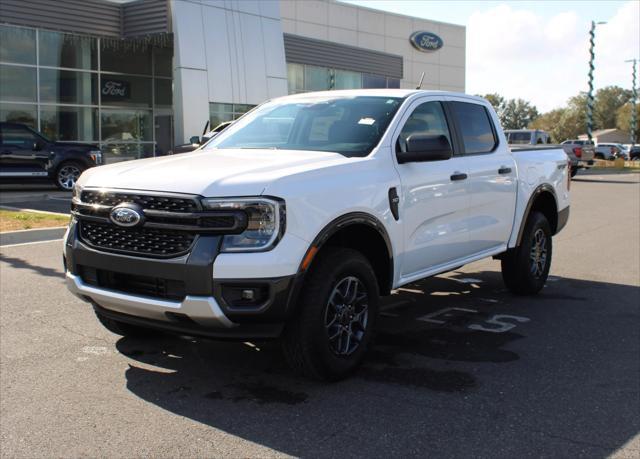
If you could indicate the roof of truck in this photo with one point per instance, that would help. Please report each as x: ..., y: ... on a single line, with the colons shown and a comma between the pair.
x: 402, y: 93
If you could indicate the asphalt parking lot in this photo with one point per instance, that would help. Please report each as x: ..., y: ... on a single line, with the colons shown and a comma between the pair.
x: 460, y: 367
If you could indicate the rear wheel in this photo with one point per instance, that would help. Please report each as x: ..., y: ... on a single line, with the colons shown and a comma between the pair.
x: 68, y: 174
x: 123, y: 329
x: 335, y: 318
x: 525, y: 269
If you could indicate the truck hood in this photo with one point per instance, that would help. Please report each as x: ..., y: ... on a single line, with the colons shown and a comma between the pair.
x: 211, y: 173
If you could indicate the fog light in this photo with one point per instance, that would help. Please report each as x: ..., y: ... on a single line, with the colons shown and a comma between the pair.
x: 248, y: 295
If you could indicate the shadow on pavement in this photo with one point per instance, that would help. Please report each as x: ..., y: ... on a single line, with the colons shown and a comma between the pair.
x: 19, y: 263
x: 458, y: 365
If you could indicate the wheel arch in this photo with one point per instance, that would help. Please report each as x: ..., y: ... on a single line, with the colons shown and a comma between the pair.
x: 360, y: 231
x: 544, y: 200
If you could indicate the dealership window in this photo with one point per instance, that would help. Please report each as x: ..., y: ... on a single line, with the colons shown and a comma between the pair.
x: 19, y: 113
x: 17, y: 84
x: 17, y: 45
x: 67, y: 50
x: 116, y: 93
x: 69, y: 123
x: 219, y: 113
x: 68, y: 87
x: 305, y: 78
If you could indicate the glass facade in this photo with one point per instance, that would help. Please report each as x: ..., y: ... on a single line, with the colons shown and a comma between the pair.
x: 115, y: 93
x: 219, y: 112
x: 305, y: 78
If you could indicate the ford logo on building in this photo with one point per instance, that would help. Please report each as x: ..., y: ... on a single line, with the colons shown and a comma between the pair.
x: 426, y: 41
x: 126, y: 215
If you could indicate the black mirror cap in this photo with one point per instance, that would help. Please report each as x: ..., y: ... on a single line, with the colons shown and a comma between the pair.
x: 37, y: 145
x: 422, y: 148
x: 194, y: 140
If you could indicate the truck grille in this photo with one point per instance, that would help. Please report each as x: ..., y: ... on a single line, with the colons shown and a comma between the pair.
x: 140, y: 241
x: 164, y: 203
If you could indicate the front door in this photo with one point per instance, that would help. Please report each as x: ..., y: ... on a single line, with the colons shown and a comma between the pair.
x: 435, y: 201
x: 22, y: 152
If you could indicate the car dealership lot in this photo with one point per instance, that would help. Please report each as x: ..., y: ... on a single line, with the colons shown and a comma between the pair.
x: 460, y: 366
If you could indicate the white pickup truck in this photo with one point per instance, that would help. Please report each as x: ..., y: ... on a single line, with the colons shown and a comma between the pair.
x: 297, y: 218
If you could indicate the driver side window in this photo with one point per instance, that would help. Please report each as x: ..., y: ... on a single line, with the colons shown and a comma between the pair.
x: 17, y: 137
x: 426, y: 119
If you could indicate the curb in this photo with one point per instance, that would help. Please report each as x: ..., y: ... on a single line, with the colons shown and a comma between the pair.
x: 32, y: 235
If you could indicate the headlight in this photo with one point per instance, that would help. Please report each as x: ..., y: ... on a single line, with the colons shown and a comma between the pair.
x: 77, y: 191
x: 96, y: 156
x: 265, y: 223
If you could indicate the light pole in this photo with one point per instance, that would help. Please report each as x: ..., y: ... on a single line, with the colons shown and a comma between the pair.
x: 592, y: 35
x: 634, y: 98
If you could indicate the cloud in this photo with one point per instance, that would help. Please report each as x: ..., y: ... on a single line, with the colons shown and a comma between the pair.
x: 522, y: 53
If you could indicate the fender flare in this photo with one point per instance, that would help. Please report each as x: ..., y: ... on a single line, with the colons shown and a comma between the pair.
x: 544, y: 188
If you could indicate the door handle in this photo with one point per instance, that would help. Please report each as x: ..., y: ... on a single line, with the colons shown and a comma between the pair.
x: 504, y: 170
x: 458, y: 176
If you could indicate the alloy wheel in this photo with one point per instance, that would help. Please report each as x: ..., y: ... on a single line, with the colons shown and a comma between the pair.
x: 539, y: 252
x: 68, y: 176
x: 347, y: 315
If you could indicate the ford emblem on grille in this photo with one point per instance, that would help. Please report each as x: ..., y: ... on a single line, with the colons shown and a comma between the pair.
x: 127, y: 215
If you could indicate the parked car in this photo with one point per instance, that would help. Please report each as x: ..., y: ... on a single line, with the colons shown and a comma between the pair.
x: 196, y: 142
x: 26, y: 154
x: 634, y: 153
x: 580, y: 152
x: 527, y: 137
x: 610, y: 151
x: 311, y: 208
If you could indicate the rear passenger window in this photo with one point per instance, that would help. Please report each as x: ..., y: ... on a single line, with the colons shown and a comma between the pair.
x: 426, y: 119
x: 477, y: 132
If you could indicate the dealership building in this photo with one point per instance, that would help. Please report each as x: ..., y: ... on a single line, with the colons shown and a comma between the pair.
x: 139, y: 76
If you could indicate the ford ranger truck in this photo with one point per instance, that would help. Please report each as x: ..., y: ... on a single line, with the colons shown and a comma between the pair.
x: 295, y: 220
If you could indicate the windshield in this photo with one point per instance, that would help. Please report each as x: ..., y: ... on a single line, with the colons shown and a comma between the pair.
x: 351, y: 126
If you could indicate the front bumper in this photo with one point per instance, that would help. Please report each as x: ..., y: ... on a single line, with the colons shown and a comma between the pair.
x: 122, y: 287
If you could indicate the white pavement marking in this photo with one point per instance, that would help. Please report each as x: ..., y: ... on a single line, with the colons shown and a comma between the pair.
x: 29, y: 243
x: 442, y: 312
x: 503, y: 326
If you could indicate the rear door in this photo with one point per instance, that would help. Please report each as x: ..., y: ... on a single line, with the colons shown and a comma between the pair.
x: 434, y: 198
x: 492, y: 179
x: 21, y: 152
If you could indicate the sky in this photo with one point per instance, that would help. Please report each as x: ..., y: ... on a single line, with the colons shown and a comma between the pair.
x: 536, y: 50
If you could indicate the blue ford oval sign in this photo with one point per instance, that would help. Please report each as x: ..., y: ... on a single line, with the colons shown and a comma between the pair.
x: 426, y: 41
x: 126, y: 216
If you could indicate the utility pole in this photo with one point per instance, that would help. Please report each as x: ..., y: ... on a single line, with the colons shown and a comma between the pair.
x: 592, y: 43
x: 634, y: 99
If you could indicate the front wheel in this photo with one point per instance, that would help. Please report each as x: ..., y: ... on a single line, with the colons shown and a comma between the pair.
x: 68, y: 174
x: 335, y: 317
x: 525, y: 269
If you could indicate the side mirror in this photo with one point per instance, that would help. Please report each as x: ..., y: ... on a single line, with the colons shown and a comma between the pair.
x: 37, y: 145
x: 422, y: 148
x: 194, y: 140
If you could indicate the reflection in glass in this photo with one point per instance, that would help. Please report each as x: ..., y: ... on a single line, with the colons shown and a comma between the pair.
x: 17, y: 83
x: 163, y: 58
x: 69, y: 123
x: 373, y: 81
x: 19, y: 113
x: 69, y: 87
x: 120, y: 125
x: 125, y: 57
x: 164, y: 93
x: 65, y: 50
x: 347, y: 80
x: 17, y: 45
x: 316, y: 78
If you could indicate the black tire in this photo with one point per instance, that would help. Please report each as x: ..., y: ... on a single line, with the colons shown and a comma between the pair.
x: 67, y: 174
x: 523, y: 271
x: 574, y: 171
x: 308, y: 348
x: 599, y: 156
x: 123, y: 329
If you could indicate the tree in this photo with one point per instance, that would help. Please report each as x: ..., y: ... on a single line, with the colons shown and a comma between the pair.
x: 496, y: 100
x: 517, y: 114
x: 550, y: 122
x: 623, y: 119
x: 608, y: 101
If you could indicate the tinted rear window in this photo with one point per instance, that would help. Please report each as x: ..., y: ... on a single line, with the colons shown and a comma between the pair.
x: 477, y: 132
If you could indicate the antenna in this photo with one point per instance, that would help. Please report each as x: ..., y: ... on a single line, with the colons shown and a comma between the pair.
x: 420, y: 84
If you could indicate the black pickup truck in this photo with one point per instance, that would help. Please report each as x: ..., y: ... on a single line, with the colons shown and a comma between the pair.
x: 27, y: 154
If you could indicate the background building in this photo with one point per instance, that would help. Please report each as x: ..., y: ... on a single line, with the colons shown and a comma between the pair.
x: 139, y: 76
